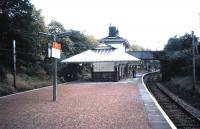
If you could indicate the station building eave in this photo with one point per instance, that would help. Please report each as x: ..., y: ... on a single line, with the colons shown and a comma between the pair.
x: 91, y: 56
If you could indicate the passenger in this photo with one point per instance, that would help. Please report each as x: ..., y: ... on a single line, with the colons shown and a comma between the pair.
x: 133, y: 73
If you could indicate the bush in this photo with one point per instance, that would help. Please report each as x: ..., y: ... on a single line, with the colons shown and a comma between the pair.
x: 70, y: 72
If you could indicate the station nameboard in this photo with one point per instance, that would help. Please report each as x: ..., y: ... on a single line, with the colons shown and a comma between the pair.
x: 56, y: 50
x: 56, y: 45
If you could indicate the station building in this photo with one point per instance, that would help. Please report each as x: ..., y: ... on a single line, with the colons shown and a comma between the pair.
x: 109, y: 60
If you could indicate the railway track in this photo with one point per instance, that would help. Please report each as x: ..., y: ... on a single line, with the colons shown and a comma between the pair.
x: 181, y: 118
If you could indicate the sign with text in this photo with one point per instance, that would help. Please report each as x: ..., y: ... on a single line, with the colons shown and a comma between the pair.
x: 56, y: 50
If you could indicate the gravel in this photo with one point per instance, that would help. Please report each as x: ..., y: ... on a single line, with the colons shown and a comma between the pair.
x: 79, y: 106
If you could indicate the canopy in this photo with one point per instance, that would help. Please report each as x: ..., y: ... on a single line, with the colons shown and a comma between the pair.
x: 101, y: 56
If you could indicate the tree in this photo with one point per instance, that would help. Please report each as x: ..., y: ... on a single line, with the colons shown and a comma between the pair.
x: 55, y: 27
x: 179, y: 43
x: 177, y: 56
x: 14, y: 17
x: 19, y: 20
x: 91, y: 40
x: 74, y: 44
x: 136, y: 47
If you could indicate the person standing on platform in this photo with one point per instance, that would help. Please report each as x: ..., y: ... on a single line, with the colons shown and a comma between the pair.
x: 133, y: 72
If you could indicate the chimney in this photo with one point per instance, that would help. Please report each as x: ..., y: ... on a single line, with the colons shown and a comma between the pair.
x: 113, y: 31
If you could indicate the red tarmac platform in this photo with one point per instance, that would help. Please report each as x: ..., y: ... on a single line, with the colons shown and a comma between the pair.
x: 83, y: 105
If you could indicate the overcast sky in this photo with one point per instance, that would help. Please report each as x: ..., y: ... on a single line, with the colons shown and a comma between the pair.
x: 148, y: 23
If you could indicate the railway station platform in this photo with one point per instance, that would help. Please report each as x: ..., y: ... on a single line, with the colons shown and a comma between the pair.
x: 84, y: 105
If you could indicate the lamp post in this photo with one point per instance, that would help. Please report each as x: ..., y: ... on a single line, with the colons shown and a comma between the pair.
x: 55, y: 36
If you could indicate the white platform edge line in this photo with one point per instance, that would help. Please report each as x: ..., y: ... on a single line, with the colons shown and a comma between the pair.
x: 158, y: 106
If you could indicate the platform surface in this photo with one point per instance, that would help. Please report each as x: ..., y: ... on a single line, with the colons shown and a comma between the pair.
x: 83, y: 105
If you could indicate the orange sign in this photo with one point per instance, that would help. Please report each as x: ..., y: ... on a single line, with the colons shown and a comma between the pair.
x: 56, y: 45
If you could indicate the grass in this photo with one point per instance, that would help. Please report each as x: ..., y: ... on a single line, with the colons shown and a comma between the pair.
x: 23, y: 83
x: 185, y: 83
x: 183, y: 87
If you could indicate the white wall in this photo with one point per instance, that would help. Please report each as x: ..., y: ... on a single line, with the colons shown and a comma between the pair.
x: 104, y: 67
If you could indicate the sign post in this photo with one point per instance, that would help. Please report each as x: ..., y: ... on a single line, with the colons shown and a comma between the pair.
x: 55, y: 80
x: 55, y: 52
